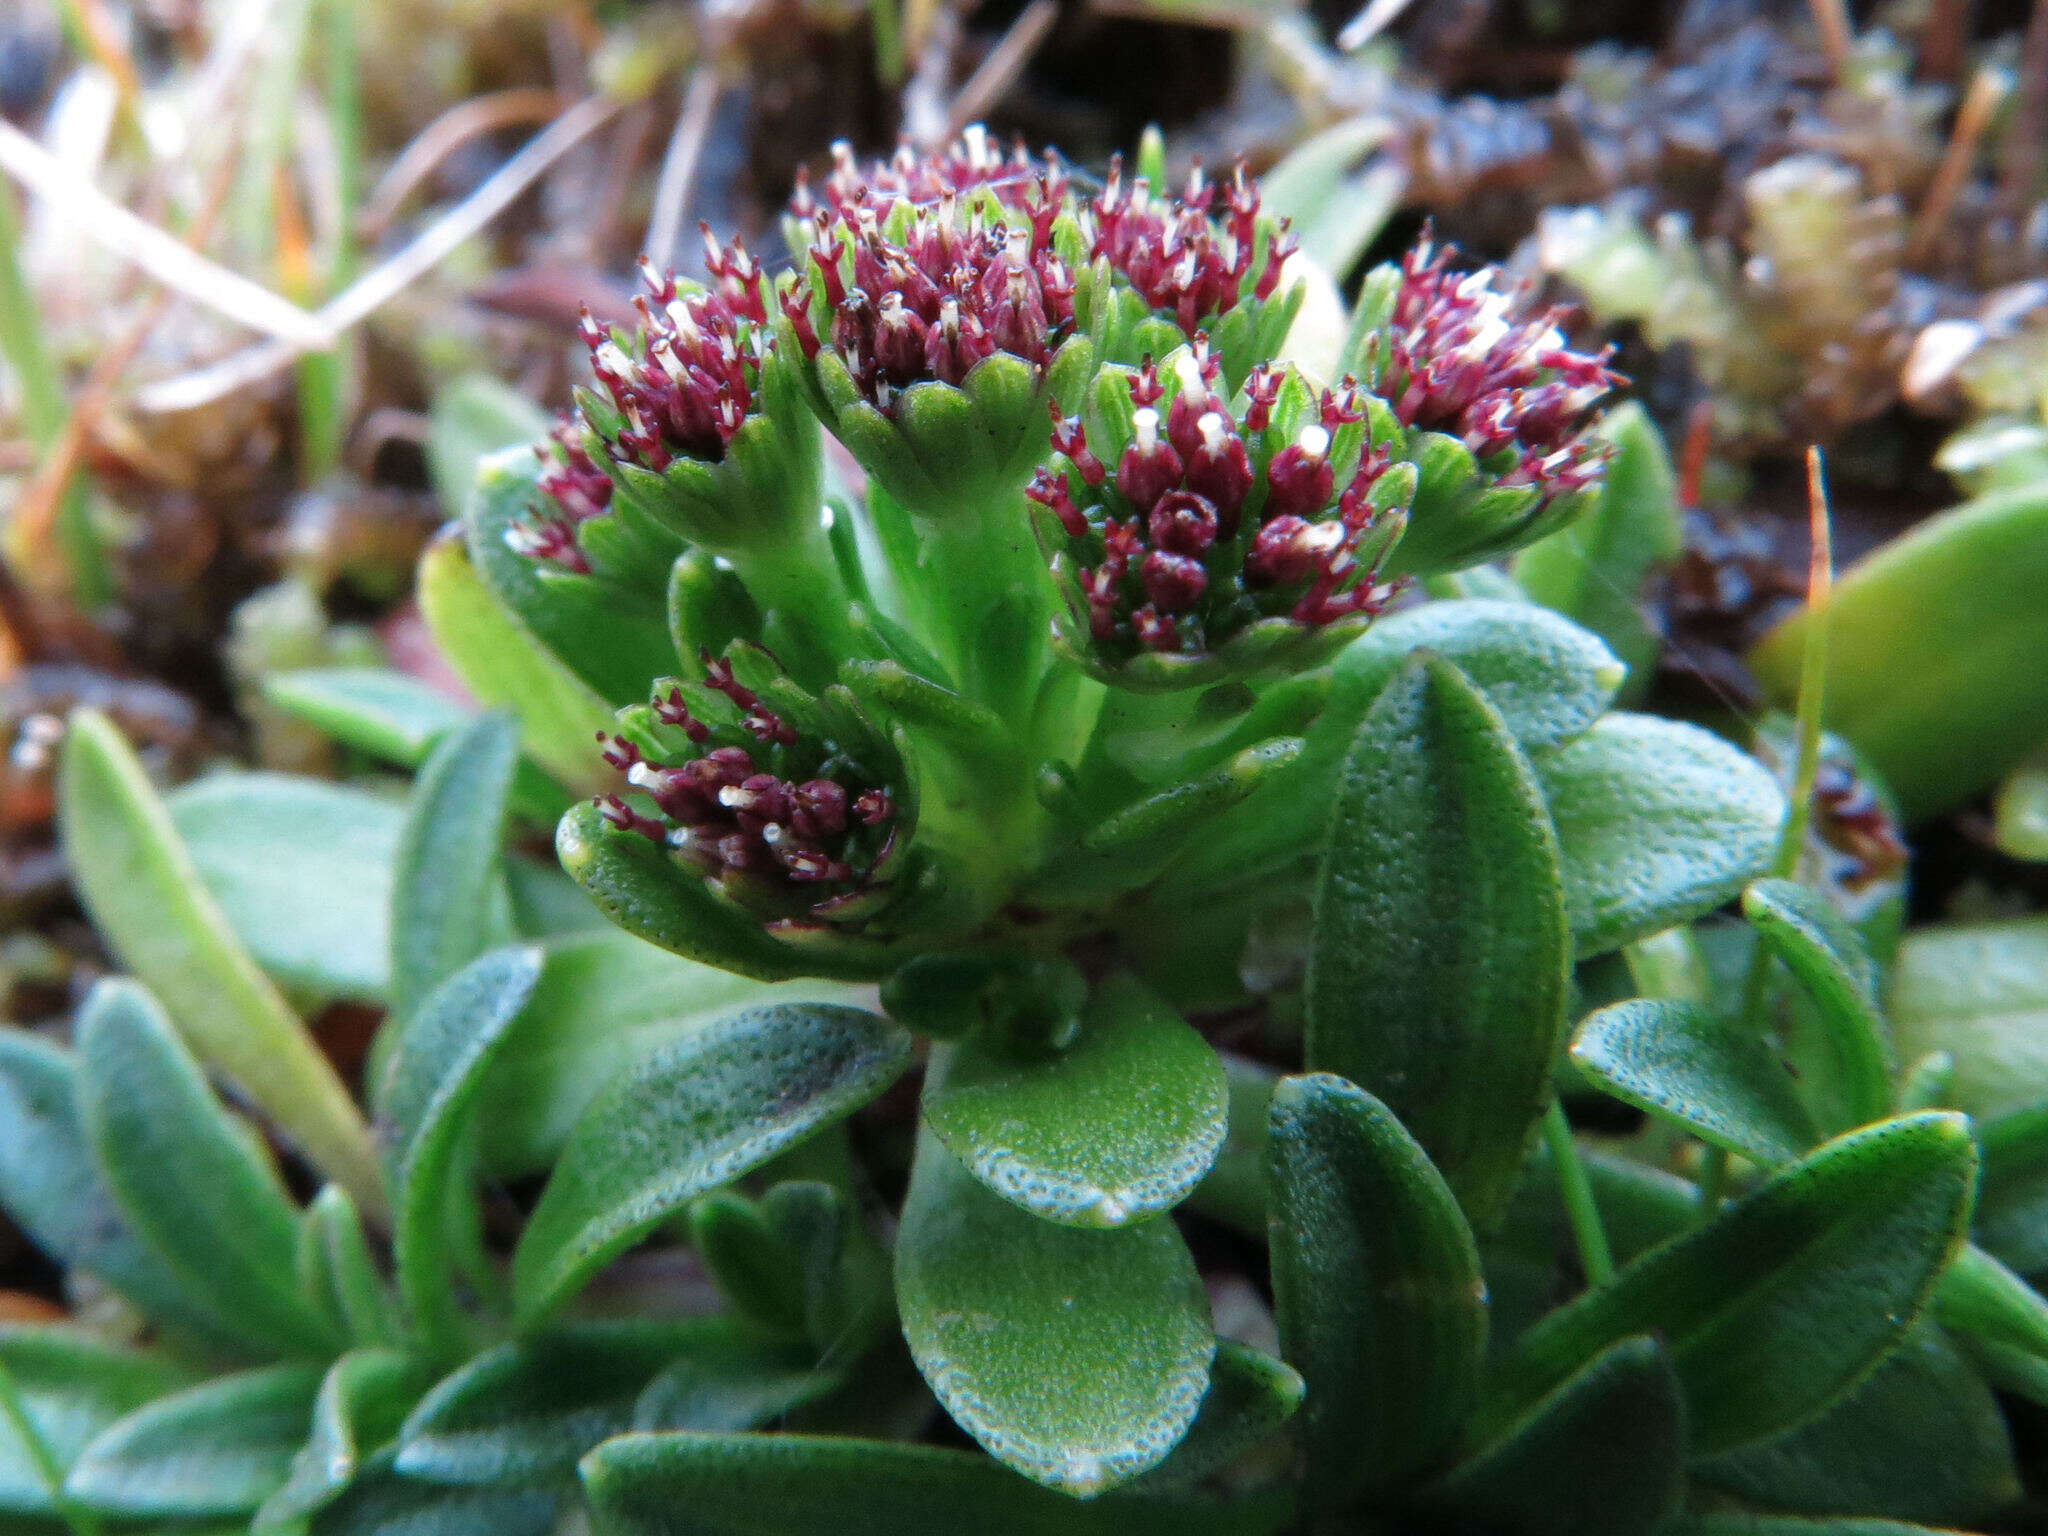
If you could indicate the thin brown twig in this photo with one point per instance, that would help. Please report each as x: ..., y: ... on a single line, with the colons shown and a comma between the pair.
x: 447, y: 133
x: 1987, y: 89
x: 384, y: 282
x: 1837, y: 36
x: 2026, y: 140
x: 1005, y: 62
x: 1944, y: 40
x: 163, y: 256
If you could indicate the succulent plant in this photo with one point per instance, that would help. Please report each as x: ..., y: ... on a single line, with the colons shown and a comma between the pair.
x: 1109, y: 713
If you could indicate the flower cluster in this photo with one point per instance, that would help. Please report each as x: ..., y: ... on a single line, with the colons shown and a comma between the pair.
x: 926, y: 289
x: 1181, y: 257
x: 576, y: 489
x: 1205, y: 521
x: 784, y: 822
x: 1463, y: 358
x: 969, y: 162
x: 687, y: 384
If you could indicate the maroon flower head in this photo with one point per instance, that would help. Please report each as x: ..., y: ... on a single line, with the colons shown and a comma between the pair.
x: 749, y: 802
x: 1465, y: 358
x: 686, y: 383
x: 577, y: 490
x: 1190, y: 257
x: 956, y: 282
x: 971, y: 161
x: 1210, y: 520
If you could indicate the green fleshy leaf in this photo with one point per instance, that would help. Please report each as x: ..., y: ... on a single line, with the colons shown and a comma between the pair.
x: 525, y: 1412
x: 381, y: 1502
x: 1730, y: 1524
x: 72, y: 1386
x: 430, y: 1085
x: 1979, y: 992
x: 778, y: 1262
x: 1593, y: 570
x: 445, y: 887
x: 1788, y: 1297
x: 1377, y: 1287
x: 1831, y: 964
x: 52, y: 1189
x: 146, y: 897
x: 1437, y: 972
x: 396, y: 719
x: 1251, y: 1397
x: 362, y: 1400
x: 220, y: 1448
x: 1602, y: 1455
x: 301, y: 869
x: 1697, y: 1070
x: 189, y: 1181
x: 689, y: 1118
x: 1659, y: 823
x: 731, y: 1382
x: 337, y: 1273
x: 772, y: 1485
x: 501, y: 662
x: 1966, y: 587
x: 1077, y: 1357
x: 2012, y: 1197
x: 1549, y: 679
x: 603, y: 1001
x: 643, y: 890
x: 1921, y: 1439
x: 475, y: 416
x: 613, y: 636
x: 1118, y: 1126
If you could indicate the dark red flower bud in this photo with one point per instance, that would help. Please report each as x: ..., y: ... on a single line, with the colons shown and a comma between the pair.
x: 1300, y: 481
x: 1149, y: 467
x: 1174, y: 583
x: 1182, y: 523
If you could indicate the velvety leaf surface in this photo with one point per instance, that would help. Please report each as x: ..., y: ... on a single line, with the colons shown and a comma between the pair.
x: 1602, y: 1455
x: 1831, y: 965
x: 525, y: 1412
x: 1697, y: 1070
x: 2012, y: 1199
x: 363, y: 1398
x: 1077, y: 1357
x: 730, y: 1379
x: 220, y: 1448
x: 52, y: 1189
x: 1658, y: 823
x: 431, y: 1080
x: 301, y: 869
x: 146, y: 898
x: 772, y: 1485
x: 338, y: 1273
x: 603, y: 1001
x: 1921, y: 1438
x: 381, y: 1502
x: 1116, y: 1127
x: 1785, y: 1300
x: 1438, y: 957
x: 189, y: 1182
x: 72, y: 1386
x: 692, y: 1116
x: 1251, y: 1397
x: 1376, y: 1285
x: 445, y: 882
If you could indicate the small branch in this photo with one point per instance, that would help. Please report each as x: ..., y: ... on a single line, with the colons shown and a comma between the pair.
x: 1813, y: 672
x: 447, y: 133
x: 1596, y: 1258
x: 161, y: 255
x: 679, y: 166
x: 1836, y: 35
x: 1987, y: 90
x: 382, y: 283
